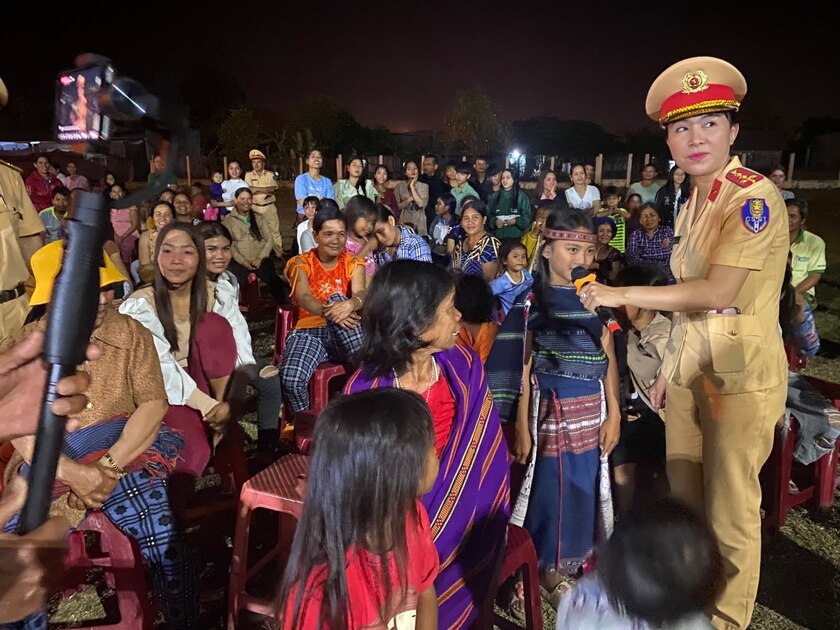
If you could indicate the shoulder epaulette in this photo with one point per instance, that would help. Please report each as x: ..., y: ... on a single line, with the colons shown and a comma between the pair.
x: 12, y: 166
x: 743, y: 177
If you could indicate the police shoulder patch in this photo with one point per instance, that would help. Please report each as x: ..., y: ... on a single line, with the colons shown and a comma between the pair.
x: 743, y: 177
x: 755, y: 215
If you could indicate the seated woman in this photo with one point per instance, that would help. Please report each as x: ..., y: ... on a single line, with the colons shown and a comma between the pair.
x: 478, y: 252
x: 328, y: 289
x: 361, y: 217
x: 252, y: 246
x: 195, y: 345
x: 217, y: 246
x: 410, y: 327
x: 652, y: 243
x: 799, y: 330
x: 397, y: 241
x: 162, y: 214
x: 118, y: 461
x: 608, y: 260
x: 475, y: 301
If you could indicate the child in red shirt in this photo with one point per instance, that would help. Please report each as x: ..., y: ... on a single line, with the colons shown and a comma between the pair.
x: 363, y: 555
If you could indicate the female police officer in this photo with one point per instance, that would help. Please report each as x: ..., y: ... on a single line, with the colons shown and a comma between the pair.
x: 724, y: 364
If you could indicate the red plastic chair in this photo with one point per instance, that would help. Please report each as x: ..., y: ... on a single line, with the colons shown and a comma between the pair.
x: 251, y: 302
x: 520, y: 555
x: 796, y: 361
x: 304, y: 430
x: 119, y: 557
x: 815, y: 482
x: 280, y: 488
x: 326, y: 374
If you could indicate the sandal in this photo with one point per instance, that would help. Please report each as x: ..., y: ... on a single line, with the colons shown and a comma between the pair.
x: 554, y: 596
x: 516, y: 607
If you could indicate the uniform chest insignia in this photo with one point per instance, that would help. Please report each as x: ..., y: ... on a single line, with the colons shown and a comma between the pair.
x: 713, y: 194
x: 743, y: 177
x: 755, y: 215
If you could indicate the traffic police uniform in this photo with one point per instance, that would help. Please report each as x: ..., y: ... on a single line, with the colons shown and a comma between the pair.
x: 264, y: 204
x: 726, y: 370
x: 18, y: 219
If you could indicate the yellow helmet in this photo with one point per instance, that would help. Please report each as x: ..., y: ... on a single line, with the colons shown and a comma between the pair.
x: 46, y: 263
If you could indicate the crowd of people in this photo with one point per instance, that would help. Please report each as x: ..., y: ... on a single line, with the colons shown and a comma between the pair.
x: 475, y: 351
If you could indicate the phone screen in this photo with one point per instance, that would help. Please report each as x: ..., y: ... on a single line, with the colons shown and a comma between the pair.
x: 77, y: 114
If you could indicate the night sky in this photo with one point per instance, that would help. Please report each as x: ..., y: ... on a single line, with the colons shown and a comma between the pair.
x: 398, y: 63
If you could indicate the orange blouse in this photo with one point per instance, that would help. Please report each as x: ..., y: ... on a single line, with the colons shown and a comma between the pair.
x: 323, y: 282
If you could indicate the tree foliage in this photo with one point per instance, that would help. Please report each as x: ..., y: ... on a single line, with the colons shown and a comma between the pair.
x: 475, y: 123
x: 239, y: 133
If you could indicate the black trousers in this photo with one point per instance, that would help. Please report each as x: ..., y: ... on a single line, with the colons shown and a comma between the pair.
x: 279, y: 289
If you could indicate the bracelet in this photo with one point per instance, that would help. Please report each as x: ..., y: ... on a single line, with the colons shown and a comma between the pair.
x: 356, y: 297
x: 112, y: 464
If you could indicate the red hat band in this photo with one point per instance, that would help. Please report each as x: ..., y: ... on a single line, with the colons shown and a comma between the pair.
x: 710, y: 97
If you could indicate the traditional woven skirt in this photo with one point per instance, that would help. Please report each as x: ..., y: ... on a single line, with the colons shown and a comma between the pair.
x: 560, y: 503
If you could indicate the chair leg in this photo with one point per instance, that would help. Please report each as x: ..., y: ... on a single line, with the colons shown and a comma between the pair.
x: 239, y: 563
x: 826, y: 476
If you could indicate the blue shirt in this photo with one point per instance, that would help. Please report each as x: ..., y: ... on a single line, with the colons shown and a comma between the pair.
x: 305, y: 186
x: 504, y: 288
x: 411, y: 247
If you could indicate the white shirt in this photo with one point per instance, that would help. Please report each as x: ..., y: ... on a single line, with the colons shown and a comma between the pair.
x: 305, y: 241
x: 179, y: 385
x: 229, y: 187
x: 589, y: 198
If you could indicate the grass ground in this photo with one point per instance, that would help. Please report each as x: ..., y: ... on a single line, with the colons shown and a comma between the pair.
x: 800, y: 580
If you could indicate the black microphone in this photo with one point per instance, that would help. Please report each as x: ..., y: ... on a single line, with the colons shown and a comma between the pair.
x: 581, y: 277
x: 73, y: 307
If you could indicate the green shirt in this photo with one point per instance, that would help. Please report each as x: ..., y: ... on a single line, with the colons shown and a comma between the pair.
x: 501, y: 206
x: 807, y: 257
x: 460, y: 194
x: 343, y: 192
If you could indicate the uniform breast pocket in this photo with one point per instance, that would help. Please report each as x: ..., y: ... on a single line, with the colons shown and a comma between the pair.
x: 734, y: 343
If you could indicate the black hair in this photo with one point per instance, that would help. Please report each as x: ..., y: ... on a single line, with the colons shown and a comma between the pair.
x: 801, y: 204
x: 474, y: 203
x: 368, y: 461
x: 327, y: 213
x: 328, y: 204
x: 567, y: 219
x: 167, y: 191
x: 643, y: 275
x: 254, y: 227
x: 651, y: 206
x: 400, y: 305
x: 312, y: 199
x: 383, y: 213
x: 434, y: 158
x: 60, y: 190
x: 464, y: 169
x: 652, y: 165
x: 451, y: 203
x: 550, y: 204
x: 777, y: 167
x: 474, y: 298
x: 483, y: 158
x: 361, y: 185
x: 661, y: 564
x: 611, y: 191
x: 685, y: 187
x: 213, y: 229
x: 163, y: 202
x: 359, y: 207
x: 116, y: 185
x: 514, y: 190
x: 606, y: 221
x: 387, y: 170
x: 509, y: 245
x: 574, y: 166
x: 198, y: 291
x: 541, y: 180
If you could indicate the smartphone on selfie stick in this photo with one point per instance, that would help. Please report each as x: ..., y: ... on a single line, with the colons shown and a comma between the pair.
x: 85, y: 108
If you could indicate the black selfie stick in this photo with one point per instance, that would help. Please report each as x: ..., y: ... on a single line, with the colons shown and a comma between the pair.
x: 75, y: 296
x: 73, y: 307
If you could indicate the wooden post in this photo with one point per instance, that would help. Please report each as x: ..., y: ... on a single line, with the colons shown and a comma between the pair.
x: 339, y: 164
x: 463, y: 158
x: 380, y: 159
x: 552, y: 162
x: 189, y: 176
x: 151, y: 166
x: 599, y: 168
x: 629, y: 170
x: 300, y: 165
x: 647, y: 159
x: 225, y: 165
x: 791, y: 161
x: 507, y: 162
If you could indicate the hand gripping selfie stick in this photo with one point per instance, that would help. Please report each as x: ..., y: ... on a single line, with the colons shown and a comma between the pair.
x: 73, y: 307
x: 75, y: 297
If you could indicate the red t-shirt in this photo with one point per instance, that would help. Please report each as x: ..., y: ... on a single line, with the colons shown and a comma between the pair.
x: 442, y: 405
x: 40, y: 190
x: 365, y: 592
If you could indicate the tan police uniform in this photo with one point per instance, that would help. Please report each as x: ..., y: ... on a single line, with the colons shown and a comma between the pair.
x: 264, y: 204
x: 18, y: 219
x: 726, y: 371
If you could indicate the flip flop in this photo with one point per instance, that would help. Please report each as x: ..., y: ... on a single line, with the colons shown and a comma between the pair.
x: 554, y: 596
x: 516, y: 608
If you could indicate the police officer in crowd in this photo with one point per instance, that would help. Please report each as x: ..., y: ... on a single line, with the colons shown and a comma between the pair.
x: 262, y: 185
x: 725, y: 362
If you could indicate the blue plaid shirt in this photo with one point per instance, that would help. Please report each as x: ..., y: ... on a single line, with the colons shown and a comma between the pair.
x: 411, y: 247
x: 641, y: 249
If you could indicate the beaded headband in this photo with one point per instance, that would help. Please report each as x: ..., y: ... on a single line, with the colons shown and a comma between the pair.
x: 565, y: 235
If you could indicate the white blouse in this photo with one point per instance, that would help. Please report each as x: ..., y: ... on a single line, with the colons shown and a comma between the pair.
x: 589, y: 198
